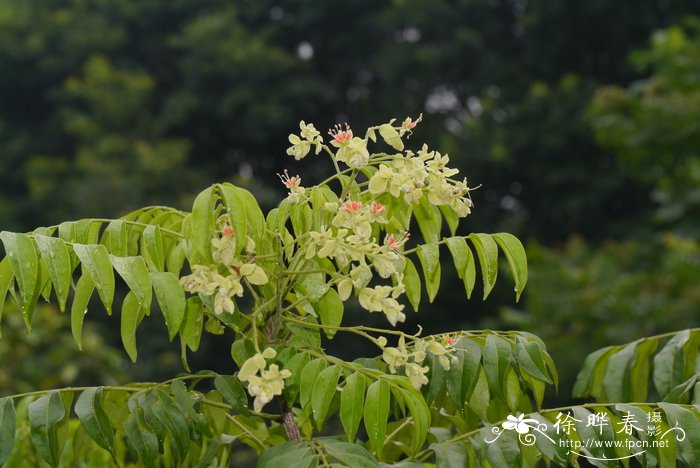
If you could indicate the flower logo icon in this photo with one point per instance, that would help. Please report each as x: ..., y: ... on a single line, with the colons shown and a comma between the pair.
x: 519, y: 423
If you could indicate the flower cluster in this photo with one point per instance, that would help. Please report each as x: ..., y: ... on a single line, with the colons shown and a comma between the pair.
x: 412, y: 361
x: 302, y: 143
x: 263, y: 382
x: 293, y: 184
x: 352, y: 150
x: 410, y: 176
x: 223, y: 281
x: 350, y: 243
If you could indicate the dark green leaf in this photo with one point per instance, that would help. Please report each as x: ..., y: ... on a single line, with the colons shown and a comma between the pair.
x: 452, y: 455
x: 497, y: 352
x: 202, y: 226
x: 233, y: 392
x: 429, y: 220
x: 280, y: 456
x: 669, y: 364
x: 143, y: 441
x: 191, y: 327
x: 45, y: 413
x: 88, y: 408
x: 342, y: 453
x: 6, y: 281
x: 153, y: 248
x: 529, y: 356
x: 461, y: 378
x: 616, y: 381
x: 689, y: 422
x: 7, y: 428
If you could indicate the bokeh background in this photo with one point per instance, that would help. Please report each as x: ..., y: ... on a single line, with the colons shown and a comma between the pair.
x: 579, y: 120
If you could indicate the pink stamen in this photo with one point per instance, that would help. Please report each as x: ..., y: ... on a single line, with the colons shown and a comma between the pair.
x: 227, y: 231
x: 352, y: 206
x: 377, y: 208
x: 339, y: 135
x: 412, y: 124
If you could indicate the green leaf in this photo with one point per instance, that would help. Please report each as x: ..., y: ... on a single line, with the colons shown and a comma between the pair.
x: 57, y: 257
x: 460, y: 253
x: 291, y: 385
x: 462, y: 376
x: 347, y: 454
x: 450, y: 455
x: 279, y: 456
x: 323, y: 392
x: 530, y: 360
x: 191, y: 327
x: 429, y: 220
x: 143, y: 441
x: 496, y: 362
x: 330, y: 311
x: 450, y: 217
x: 419, y: 411
x: 25, y: 266
x: 169, y: 415
x: 352, y: 400
x: 202, y: 226
x: 236, y: 209
x: 6, y: 280
x: 88, y: 408
x: 669, y: 364
x: 152, y: 250
x: 171, y: 299
x: 256, y: 219
x: 81, y: 298
x: 117, y: 238
x: 429, y: 256
x: 307, y: 382
x: 517, y: 259
x: 7, y: 428
x: 616, y: 381
x: 376, y: 414
x: 45, y: 413
x: 135, y: 274
x: 584, y: 381
x: 689, y: 422
x: 95, y: 260
x: 411, y: 282
x: 233, y: 392
x: 132, y: 314
x: 639, y: 371
x: 487, y: 252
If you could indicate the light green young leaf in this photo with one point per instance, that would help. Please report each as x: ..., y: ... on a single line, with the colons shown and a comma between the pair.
x: 236, y: 209
x: 411, y: 282
x: 429, y: 220
x: 517, y: 259
x: 352, y: 400
x: 132, y: 314
x: 25, y: 265
x: 584, y: 381
x: 202, y: 226
x: 95, y: 260
x: 429, y: 256
x: 376, y: 414
x: 88, y: 408
x: 81, y: 298
x: 7, y: 428
x: 116, y: 237
x: 639, y: 371
x: 330, y: 311
x: 450, y: 217
x: 152, y: 249
x: 391, y: 136
x: 57, y: 257
x: 487, y: 252
x: 307, y: 382
x: 323, y: 392
x: 191, y: 327
x: 45, y: 413
x: 171, y: 299
x: 135, y: 274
